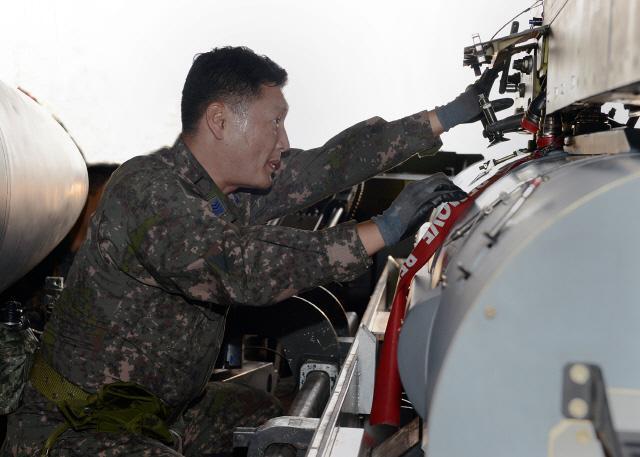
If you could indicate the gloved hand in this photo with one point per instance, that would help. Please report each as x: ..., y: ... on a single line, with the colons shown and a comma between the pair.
x: 466, y: 107
x: 412, y: 206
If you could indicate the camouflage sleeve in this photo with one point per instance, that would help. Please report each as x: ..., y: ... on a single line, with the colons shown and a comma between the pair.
x: 175, y: 242
x: 354, y: 155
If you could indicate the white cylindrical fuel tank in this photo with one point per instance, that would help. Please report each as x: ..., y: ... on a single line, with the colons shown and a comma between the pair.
x: 43, y: 184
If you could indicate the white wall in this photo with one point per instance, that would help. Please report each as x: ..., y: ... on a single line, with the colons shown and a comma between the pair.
x: 113, y: 70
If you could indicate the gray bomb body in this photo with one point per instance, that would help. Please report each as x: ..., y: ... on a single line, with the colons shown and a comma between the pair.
x: 560, y: 284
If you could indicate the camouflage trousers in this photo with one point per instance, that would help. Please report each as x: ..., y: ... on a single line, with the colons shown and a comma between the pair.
x: 206, y: 427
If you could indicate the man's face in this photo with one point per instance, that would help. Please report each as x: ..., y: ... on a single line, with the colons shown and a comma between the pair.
x: 257, y: 138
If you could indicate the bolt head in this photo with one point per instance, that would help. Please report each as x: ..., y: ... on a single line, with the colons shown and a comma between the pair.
x: 579, y: 373
x: 490, y: 312
x: 578, y: 408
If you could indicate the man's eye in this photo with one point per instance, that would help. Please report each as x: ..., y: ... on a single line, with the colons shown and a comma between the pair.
x: 277, y: 122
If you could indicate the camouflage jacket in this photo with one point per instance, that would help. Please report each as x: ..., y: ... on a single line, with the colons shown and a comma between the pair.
x: 167, y: 254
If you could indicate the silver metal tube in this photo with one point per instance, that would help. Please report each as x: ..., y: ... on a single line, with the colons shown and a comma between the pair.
x: 335, y: 217
x: 313, y: 396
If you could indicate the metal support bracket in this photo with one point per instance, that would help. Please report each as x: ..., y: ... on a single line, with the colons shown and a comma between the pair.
x: 584, y: 397
x: 308, y: 367
x: 293, y: 433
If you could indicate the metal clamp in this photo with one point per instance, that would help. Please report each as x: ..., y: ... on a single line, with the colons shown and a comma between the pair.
x: 308, y: 367
x: 495, y: 232
x: 489, y: 118
x: 292, y: 433
x: 53, y: 286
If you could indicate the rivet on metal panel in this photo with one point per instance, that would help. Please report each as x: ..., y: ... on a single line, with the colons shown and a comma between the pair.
x: 579, y: 373
x: 578, y: 408
x: 504, y: 197
x: 490, y: 312
x: 583, y: 436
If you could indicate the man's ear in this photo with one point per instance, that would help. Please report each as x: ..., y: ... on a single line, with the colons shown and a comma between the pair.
x: 215, y: 118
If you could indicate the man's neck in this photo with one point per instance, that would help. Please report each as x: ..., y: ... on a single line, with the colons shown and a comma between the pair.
x: 206, y: 155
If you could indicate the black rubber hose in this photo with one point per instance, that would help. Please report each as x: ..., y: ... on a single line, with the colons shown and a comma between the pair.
x: 508, y: 124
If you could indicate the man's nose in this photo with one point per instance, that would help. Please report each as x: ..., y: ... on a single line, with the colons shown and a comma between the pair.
x: 283, y: 140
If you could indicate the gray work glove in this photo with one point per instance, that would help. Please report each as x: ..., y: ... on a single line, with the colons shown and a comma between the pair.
x: 466, y: 106
x: 412, y: 206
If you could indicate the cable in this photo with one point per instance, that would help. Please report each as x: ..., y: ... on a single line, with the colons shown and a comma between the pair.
x: 536, y: 3
x: 268, y: 350
x: 561, y: 8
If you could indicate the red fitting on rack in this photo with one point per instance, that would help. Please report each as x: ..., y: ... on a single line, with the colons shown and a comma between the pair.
x: 529, y: 125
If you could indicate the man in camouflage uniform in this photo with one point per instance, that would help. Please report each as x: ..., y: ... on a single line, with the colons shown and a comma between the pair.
x: 180, y: 236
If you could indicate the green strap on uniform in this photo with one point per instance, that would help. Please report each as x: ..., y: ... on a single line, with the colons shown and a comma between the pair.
x: 119, y: 407
x: 52, y: 385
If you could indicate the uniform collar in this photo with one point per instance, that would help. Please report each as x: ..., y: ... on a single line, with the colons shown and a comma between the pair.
x: 189, y: 169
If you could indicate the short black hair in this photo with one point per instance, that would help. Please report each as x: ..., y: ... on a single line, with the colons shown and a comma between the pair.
x: 228, y: 74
